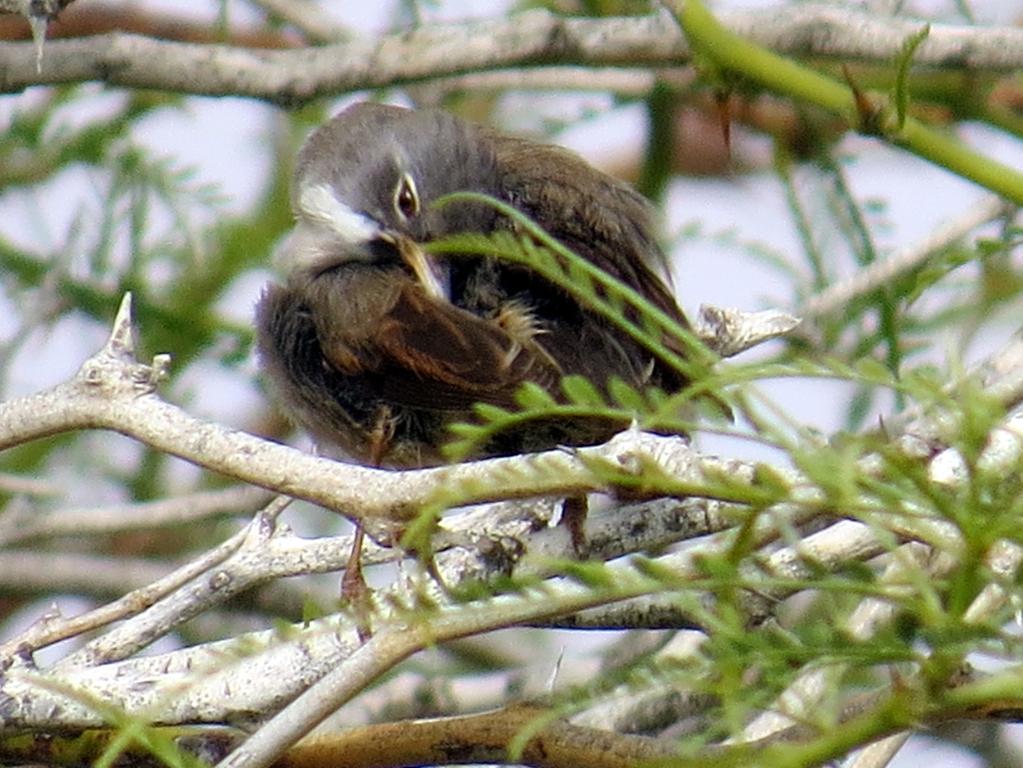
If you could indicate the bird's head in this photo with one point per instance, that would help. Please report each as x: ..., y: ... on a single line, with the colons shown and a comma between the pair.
x: 366, y: 183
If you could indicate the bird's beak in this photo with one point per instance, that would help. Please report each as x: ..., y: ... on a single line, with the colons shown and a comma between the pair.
x: 428, y: 272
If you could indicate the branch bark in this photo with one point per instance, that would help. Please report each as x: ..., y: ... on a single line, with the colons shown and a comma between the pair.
x: 529, y: 39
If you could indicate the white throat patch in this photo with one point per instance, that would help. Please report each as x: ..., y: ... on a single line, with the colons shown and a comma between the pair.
x: 317, y: 203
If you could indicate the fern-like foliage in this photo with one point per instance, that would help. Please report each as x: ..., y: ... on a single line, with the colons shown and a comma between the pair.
x: 533, y: 247
x: 664, y: 337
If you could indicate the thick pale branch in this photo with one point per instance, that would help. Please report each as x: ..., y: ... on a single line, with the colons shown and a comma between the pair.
x: 396, y: 641
x: 293, y: 77
x: 262, y: 672
x: 205, y: 682
x: 113, y: 391
x: 523, y: 40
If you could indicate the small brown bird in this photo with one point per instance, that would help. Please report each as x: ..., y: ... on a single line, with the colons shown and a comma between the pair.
x: 375, y: 349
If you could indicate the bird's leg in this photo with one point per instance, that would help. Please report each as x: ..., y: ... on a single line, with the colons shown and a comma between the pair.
x: 573, y: 517
x: 354, y: 589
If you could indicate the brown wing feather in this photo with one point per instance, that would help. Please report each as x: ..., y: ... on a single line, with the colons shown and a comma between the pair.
x: 598, y: 216
x: 431, y: 354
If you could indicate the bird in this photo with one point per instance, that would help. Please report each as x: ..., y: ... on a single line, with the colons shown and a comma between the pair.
x: 375, y: 348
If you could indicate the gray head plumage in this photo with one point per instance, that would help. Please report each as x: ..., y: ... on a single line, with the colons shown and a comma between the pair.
x: 376, y: 169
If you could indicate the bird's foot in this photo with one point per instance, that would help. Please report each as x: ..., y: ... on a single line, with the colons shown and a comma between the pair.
x: 573, y: 517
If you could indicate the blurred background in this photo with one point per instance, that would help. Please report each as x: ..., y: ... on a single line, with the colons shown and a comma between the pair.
x: 181, y: 200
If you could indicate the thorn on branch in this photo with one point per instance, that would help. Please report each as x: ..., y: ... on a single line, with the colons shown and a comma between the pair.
x: 116, y: 362
x: 869, y: 111
x: 264, y: 525
x: 121, y: 343
x: 39, y: 13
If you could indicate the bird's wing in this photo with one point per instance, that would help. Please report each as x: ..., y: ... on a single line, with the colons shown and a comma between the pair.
x: 431, y: 354
x: 599, y: 217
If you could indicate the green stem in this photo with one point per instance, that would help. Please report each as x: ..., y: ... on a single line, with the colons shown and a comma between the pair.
x: 657, y: 162
x: 876, y: 116
x: 951, y: 154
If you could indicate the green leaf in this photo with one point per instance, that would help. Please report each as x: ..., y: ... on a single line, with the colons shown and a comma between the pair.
x: 873, y: 371
x: 532, y: 397
x: 311, y: 610
x: 902, y: 64
x: 460, y: 450
x: 768, y: 479
x: 626, y: 396
x: 580, y: 390
x: 488, y: 412
x: 465, y: 429
x: 595, y: 575
x: 651, y: 569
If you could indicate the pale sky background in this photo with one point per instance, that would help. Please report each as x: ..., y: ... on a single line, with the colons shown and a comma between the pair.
x: 221, y: 138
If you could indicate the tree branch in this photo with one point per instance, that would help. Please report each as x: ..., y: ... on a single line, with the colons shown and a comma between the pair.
x: 23, y: 524
x: 838, y: 296
x: 113, y: 391
x: 528, y: 39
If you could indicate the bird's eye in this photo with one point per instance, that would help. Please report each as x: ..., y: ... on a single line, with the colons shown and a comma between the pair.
x: 406, y: 199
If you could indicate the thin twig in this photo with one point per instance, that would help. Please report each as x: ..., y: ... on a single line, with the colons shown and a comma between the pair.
x: 882, y: 273
x: 313, y: 21
x: 31, y: 524
x: 55, y: 629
